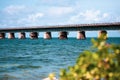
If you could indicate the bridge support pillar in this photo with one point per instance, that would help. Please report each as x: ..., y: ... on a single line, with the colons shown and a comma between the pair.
x: 34, y: 35
x: 102, y: 34
x: 47, y: 35
x: 81, y: 35
x: 63, y: 35
x: 22, y: 35
x: 2, y: 35
x: 11, y: 35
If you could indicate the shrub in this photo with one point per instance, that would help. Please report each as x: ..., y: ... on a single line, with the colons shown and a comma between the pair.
x: 102, y: 62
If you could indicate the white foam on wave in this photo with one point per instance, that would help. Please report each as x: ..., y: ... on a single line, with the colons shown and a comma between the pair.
x: 49, y: 78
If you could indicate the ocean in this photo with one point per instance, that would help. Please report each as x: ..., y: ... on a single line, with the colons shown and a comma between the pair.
x: 26, y: 59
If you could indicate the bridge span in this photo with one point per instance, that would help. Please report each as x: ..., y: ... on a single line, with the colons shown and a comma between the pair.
x: 69, y: 27
x: 63, y: 28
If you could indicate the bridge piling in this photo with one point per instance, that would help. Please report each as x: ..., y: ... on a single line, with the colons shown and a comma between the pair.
x: 2, y: 35
x: 11, y: 35
x: 47, y: 35
x: 81, y: 35
x: 22, y: 35
x: 34, y: 35
x: 63, y: 35
x: 102, y: 34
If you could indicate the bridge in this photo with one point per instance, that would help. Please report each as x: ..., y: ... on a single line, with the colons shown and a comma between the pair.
x: 62, y: 28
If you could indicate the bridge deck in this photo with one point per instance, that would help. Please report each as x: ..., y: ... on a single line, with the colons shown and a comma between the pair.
x: 71, y: 27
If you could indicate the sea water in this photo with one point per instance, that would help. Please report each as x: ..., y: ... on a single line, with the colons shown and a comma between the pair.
x: 26, y: 59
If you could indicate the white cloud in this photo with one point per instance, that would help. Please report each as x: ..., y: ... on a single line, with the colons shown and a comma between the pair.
x: 14, y: 9
x: 34, y: 17
x: 58, y: 11
x: 31, y: 19
x: 105, y: 15
x: 89, y: 16
x: 117, y: 19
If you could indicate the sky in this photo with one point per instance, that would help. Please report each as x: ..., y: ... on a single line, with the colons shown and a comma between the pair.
x: 27, y: 13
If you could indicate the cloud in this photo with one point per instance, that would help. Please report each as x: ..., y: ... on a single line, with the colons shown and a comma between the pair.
x: 31, y: 19
x: 58, y: 11
x: 89, y: 16
x: 117, y: 19
x: 105, y: 15
x: 34, y: 17
x: 14, y: 9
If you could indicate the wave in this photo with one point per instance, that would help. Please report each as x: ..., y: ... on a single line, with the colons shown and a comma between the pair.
x: 50, y: 79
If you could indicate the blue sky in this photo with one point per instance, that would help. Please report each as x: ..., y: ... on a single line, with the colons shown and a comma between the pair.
x: 16, y: 13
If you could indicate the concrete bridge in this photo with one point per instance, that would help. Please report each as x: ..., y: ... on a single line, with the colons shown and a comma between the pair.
x: 81, y: 28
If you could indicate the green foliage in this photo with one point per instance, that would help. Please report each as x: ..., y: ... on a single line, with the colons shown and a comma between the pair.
x: 100, y: 63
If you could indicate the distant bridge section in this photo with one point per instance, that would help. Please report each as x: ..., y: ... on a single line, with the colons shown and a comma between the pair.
x: 71, y: 27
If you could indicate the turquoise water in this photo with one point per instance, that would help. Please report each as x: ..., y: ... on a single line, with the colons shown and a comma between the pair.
x: 34, y: 59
